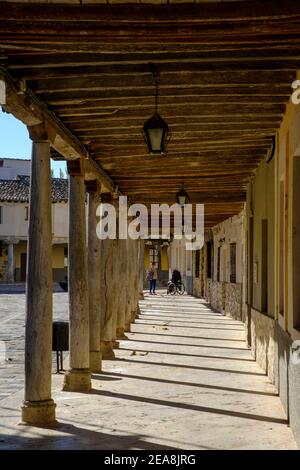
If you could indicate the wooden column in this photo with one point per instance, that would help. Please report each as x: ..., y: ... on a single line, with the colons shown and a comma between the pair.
x: 10, y: 261
x: 128, y: 281
x: 116, y: 277
x: 108, y: 292
x: 122, y: 290
x: 38, y: 407
x: 135, y: 281
x: 107, y: 305
x: 141, y: 268
x: 94, y: 277
x: 78, y: 378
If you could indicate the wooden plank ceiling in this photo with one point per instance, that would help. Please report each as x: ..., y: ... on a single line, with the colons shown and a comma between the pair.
x: 225, y: 77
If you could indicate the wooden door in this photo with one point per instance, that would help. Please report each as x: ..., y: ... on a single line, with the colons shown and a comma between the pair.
x: 23, y: 266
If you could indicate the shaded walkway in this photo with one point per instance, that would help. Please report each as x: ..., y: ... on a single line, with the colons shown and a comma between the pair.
x: 184, y: 379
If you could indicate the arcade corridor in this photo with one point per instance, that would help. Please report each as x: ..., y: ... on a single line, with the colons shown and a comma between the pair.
x: 182, y: 364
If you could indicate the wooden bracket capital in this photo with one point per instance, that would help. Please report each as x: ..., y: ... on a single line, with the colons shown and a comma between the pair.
x: 106, y: 197
x: 75, y: 167
x: 93, y: 186
x: 38, y: 132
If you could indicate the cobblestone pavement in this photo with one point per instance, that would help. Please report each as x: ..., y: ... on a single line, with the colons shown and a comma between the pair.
x: 12, y: 329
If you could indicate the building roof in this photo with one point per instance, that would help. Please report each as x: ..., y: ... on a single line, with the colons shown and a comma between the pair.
x: 16, y: 159
x: 18, y: 190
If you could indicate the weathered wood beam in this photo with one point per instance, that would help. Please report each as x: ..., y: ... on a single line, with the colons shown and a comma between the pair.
x: 221, y: 138
x: 205, y: 153
x: 262, y: 145
x: 184, y: 127
x: 157, y: 14
x: 82, y: 96
x: 166, y: 67
x: 170, y: 101
x: 26, y: 46
x: 177, y: 134
x: 27, y: 108
x: 226, y: 57
x: 167, y: 80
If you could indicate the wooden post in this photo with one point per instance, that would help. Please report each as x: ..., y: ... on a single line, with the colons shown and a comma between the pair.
x: 38, y: 407
x: 78, y: 378
x: 141, y: 268
x: 128, y: 273
x: 94, y: 278
x: 135, y: 281
x: 10, y: 261
x: 115, y: 290
x: 123, y: 290
x: 107, y: 303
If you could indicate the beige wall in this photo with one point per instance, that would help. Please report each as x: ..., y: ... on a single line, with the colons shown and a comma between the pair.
x: 15, y: 225
x: 261, y: 204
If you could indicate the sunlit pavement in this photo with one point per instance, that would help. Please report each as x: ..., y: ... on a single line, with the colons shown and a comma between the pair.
x: 184, y: 379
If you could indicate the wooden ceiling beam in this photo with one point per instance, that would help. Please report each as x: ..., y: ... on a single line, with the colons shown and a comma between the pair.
x: 177, y: 134
x: 45, y: 60
x: 228, y: 92
x: 167, y: 80
x: 184, y: 127
x: 27, y: 46
x: 96, y: 71
x: 121, y: 14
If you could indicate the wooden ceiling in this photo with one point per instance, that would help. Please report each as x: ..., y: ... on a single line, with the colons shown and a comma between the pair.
x: 226, y: 70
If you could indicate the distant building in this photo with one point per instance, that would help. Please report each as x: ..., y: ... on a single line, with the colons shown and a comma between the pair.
x: 14, y: 216
x: 10, y: 168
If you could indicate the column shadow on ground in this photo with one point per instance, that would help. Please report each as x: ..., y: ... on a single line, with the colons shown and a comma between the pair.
x: 186, y: 406
x: 122, y: 375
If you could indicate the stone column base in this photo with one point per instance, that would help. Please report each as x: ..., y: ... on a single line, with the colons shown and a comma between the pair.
x: 95, y: 361
x: 107, y: 350
x: 77, y: 380
x: 141, y: 296
x: 121, y: 333
x: 39, y: 413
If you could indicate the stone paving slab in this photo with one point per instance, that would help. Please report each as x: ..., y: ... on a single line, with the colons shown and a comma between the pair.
x: 12, y: 330
x: 184, y: 379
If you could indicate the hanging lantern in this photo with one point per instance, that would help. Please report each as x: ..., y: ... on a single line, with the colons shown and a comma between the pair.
x: 182, y: 196
x: 156, y: 131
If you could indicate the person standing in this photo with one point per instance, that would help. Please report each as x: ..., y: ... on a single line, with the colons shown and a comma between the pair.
x: 152, y: 278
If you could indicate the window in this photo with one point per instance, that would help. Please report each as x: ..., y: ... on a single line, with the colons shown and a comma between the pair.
x: 26, y: 212
x: 153, y: 254
x: 65, y: 256
x: 197, y: 263
x: 233, y: 263
x: 1, y: 214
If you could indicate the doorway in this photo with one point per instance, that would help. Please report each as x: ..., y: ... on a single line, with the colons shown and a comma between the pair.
x: 23, y: 267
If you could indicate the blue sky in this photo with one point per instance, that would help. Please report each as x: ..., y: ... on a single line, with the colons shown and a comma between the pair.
x: 15, y: 143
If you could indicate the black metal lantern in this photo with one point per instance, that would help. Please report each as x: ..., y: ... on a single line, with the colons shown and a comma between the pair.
x: 182, y: 196
x: 156, y: 131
